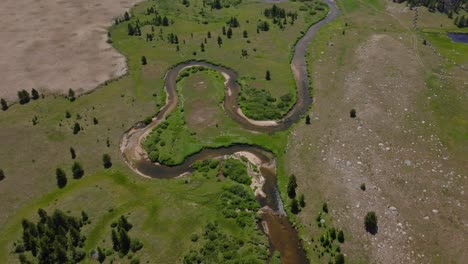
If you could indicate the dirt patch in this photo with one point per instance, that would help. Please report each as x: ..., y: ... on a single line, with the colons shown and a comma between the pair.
x: 201, y: 115
x: 391, y: 147
x: 56, y: 45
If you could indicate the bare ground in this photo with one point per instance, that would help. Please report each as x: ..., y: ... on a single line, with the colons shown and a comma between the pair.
x: 56, y: 45
x: 413, y: 184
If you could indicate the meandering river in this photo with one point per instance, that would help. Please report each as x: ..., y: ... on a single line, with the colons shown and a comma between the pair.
x: 283, y: 237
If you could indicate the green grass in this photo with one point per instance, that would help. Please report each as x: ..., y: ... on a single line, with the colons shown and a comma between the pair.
x: 174, y: 140
x: 454, y: 51
x: 162, y: 211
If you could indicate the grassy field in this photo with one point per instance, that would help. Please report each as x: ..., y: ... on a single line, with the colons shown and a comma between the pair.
x: 319, y: 155
x: 162, y: 211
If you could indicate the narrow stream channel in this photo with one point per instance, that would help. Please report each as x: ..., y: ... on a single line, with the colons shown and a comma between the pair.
x: 283, y: 237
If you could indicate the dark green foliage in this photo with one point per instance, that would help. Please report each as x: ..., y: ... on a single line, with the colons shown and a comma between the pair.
x: 23, y: 97
x: 339, y: 259
x: 267, y: 75
x: 54, y: 239
x: 333, y: 233
x: 258, y: 104
x: 115, y: 241
x: 202, y: 47
x: 71, y: 95
x: 219, y: 247
x: 76, y: 128
x: 136, y: 245
x: 229, y: 33
x: 67, y: 114
x: 220, y: 41
x: 101, y: 256
x: 95, y: 121
x: 294, y: 206
x: 238, y: 202
x: 370, y: 222
x: 34, y: 94
x: 2, y: 175
x: 292, y: 185
x: 341, y: 237
x: 233, y: 22
x: 363, y: 186
x: 263, y: 26
x: 307, y: 120
x: 121, y: 241
x: 143, y: 60
x: 236, y: 171
x: 126, y: 16
x: 302, y: 200
x: 194, y: 237
x: 325, y: 208
x: 135, y: 261
x: 352, y: 113
x: 245, y: 34
x: 216, y: 4
x: 106, y: 161
x: 165, y: 22
x: 4, y: 104
x: 77, y: 170
x: 186, y: 3
x: 124, y: 240
x: 72, y: 153
x: 61, y: 178
x: 208, y: 34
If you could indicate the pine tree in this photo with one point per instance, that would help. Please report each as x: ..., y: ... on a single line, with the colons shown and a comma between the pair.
x: 307, y: 120
x: 77, y: 170
x: 202, y: 46
x: 95, y: 121
x: 370, y: 222
x: 292, y: 185
x: 101, y: 255
x: 115, y: 241
x: 267, y: 75
x: 71, y: 95
x: 72, y: 153
x: 23, y: 97
x: 76, y: 128
x: 143, y: 60
x: 220, y: 41
x: 294, y: 206
x: 229, y: 33
x: 245, y: 34
x: 302, y: 200
x: 106, y: 161
x: 61, y: 178
x: 4, y: 104
x: 165, y: 22
x: 125, y: 241
x: 208, y: 34
x: 224, y: 30
x: 34, y: 94
x: 127, y: 16
x: 341, y: 236
x: 2, y: 175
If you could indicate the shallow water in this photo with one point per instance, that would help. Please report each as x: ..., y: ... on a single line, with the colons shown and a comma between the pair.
x: 458, y: 37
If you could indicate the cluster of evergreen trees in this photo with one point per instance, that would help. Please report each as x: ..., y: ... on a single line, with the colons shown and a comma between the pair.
x: 279, y: 15
x: 296, y: 203
x: 121, y: 241
x: 54, y: 239
x: 444, y: 6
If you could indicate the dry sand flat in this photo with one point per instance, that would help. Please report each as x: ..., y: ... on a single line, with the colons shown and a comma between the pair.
x: 56, y: 45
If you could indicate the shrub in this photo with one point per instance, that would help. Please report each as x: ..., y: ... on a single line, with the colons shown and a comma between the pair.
x: 143, y: 60
x: 76, y: 128
x: 294, y: 206
x: 341, y: 238
x: 363, y: 186
x: 71, y: 95
x: 194, y: 237
x: 325, y: 207
x: 61, y: 178
x: 2, y: 175
x: 370, y: 222
x: 339, y: 258
x: 106, y: 161
x: 4, y: 104
x: 77, y: 170
x: 352, y: 113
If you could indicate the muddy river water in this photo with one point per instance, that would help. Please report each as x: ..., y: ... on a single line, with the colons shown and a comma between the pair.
x: 283, y: 237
